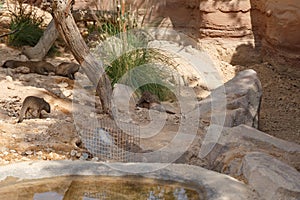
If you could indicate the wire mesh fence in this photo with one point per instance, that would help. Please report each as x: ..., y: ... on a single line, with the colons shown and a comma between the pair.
x: 110, y: 140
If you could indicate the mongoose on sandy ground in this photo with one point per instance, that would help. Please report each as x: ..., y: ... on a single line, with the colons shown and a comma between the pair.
x: 31, y: 104
x: 67, y: 69
x: 151, y: 101
x: 148, y: 100
x: 39, y: 67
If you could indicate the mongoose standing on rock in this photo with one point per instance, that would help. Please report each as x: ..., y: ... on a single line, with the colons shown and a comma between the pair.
x: 39, y: 67
x: 67, y: 69
x: 31, y: 104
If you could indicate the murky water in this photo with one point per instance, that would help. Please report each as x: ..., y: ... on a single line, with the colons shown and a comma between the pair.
x: 92, y: 188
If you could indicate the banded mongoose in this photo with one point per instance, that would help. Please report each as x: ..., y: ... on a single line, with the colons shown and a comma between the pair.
x: 148, y: 100
x: 67, y: 69
x: 151, y: 101
x: 39, y: 67
x: 31, y: 104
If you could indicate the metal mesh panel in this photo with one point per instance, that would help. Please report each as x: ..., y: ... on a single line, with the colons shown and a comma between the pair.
x: 112, y: 141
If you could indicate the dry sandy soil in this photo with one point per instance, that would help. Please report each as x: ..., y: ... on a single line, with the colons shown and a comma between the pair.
x: 280, y: 105
x: 54, y: 136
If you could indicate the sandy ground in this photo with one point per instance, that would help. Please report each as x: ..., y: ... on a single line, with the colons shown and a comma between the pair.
x: 55, y: 136
x: 280, y: 105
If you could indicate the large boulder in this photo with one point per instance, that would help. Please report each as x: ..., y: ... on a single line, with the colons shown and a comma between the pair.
x: 271, y: 178
x: 202, y: 18
x: 223, y: 149
x: 236, y: 102
x: 234, y: 143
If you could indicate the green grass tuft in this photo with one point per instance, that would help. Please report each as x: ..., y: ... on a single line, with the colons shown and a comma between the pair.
x: 119, y: 36
x: 28, y: 32
x: 27, y: 25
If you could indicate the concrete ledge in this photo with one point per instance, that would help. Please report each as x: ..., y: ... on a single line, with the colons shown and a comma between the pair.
x: 217, y: 186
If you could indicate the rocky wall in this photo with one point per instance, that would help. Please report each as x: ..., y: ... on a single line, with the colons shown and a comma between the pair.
x: 202, y: 18
x: 277, y: 25
x: 274, y: 25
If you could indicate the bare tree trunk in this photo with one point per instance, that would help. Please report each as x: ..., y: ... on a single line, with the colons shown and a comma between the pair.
x: 40, y: 50
x: 68, y: 30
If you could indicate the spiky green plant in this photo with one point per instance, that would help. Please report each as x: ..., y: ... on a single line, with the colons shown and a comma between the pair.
x: 135, y: 53
x: 26, y: 24
x: 28, y: 32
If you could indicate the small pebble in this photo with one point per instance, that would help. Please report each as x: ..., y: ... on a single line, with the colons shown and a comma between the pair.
x: 95, y: 159
x: 68, y: 119
x: 11, y: 87
x: 24, y: 78
x: 67, y: 93
x: 9, y: 78
x: 63, y: 85
x: 84, y: 156
x: 3, y: 149
x: 78, y: 155
x: 73, y: 153
x: 29, y: 152
x: 92, y: 115
x: 51, y: 156
x: 25, y: 159
x: 23, y: 57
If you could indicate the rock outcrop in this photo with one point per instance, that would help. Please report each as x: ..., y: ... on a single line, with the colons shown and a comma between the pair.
x: 274, y: 25
x: 269, y: 165
x: 277, y: 25
x: 231, y: 144
x: 271, y: 178
x: 236, y: 102
x: 234, y: 143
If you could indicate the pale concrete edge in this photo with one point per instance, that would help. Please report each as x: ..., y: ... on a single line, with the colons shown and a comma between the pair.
x: 217, y: 186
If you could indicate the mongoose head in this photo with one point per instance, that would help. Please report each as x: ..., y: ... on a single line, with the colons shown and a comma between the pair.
x: 47, y: 107
x: 8, y: 64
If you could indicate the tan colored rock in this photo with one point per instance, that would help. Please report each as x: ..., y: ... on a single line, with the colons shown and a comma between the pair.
x: 235, y: 103
x: 276, y: 25
x: 22, y: 70
x: 88, y: 4
x: 271, y: 178
x: 206, y: 18
x: 225, y: 18
x: 283, y: 24
x: 234, y: 143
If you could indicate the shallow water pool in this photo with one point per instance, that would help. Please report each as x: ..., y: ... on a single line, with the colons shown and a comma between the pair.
x: 97, y: 187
